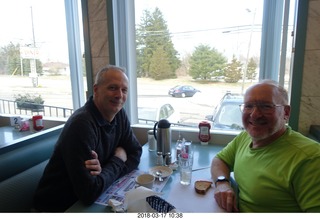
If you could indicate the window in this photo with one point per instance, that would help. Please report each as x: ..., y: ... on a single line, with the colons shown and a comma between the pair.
x: 230, y: 115
x: 34, y: 57
x: 233, y: 33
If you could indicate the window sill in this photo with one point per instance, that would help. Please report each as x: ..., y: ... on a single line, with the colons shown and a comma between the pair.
x: 218, y: 137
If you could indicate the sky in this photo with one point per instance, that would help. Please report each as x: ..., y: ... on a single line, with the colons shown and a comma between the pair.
x: 49, y: 26
x: 225, y: 25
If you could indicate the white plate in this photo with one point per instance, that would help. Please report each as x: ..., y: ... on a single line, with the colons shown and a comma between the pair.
x: 166, y: 171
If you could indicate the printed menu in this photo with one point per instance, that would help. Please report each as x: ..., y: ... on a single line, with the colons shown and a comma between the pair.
x: 124, y: 184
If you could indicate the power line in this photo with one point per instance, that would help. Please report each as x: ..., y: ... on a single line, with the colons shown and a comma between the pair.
x: 222, y: 29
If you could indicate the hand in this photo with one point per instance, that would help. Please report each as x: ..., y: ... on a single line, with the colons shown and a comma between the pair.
x: 93, y: 164
x: 121, y: 153
x: 225, y: 197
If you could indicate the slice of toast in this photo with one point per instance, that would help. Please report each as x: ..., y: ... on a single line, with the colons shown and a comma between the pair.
x: 202, y: 186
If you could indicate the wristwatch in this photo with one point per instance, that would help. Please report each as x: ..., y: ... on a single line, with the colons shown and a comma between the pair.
x: 221, y: 179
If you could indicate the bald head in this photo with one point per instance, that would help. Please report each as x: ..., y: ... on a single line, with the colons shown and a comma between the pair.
x: 278, y: 91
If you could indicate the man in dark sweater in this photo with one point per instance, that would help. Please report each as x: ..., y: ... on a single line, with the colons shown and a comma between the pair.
x: 96, y: 147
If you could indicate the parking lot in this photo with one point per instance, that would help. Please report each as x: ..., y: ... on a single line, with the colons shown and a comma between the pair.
x: 192, y: 109
x: 56, y: 91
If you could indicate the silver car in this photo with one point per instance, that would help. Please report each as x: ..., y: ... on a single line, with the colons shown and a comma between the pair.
x: 153, y: 113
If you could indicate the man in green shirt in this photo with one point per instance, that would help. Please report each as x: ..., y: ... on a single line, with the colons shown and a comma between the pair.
x: 276, y: 168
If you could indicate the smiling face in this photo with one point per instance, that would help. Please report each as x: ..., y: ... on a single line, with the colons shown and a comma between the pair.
x: 110, y: 93
x: 265, y: 127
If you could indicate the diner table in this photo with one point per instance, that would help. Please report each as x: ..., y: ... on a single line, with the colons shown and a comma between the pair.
x: 183, y: 197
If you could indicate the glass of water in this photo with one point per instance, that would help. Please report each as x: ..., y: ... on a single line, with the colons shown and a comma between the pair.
x: 185, y: 166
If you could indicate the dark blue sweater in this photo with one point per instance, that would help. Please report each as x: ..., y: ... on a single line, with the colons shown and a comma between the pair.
x: 66, y: 179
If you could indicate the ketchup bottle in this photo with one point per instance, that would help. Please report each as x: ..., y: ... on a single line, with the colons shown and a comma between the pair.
x: 37, y: 122
x: 204, y: 132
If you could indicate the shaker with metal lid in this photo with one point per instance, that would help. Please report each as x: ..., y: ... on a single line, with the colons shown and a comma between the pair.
x: 151, y: 141
x: 168, y: 159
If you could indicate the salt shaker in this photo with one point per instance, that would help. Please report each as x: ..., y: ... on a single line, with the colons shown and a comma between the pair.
x: 159, y: 158
x: 151, y: 141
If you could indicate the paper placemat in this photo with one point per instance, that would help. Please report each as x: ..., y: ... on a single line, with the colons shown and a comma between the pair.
x: 124, y: 184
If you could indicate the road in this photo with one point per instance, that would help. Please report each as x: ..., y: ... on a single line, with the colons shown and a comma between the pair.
x: 192, y: 109
x: 56, y: 91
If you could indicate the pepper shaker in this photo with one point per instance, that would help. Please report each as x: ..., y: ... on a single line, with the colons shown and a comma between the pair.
x: 168, y: 159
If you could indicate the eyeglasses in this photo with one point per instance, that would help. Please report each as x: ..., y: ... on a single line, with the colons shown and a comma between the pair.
x: 263, y: 107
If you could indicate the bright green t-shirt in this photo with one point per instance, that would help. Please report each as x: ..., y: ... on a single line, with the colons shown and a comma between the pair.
x: 283, y: 176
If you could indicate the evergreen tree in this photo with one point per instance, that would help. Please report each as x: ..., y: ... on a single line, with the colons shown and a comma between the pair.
x: 251, y: 69
x: 233, y: 71
x: 206, y: 62
x: 10, y: 58
x: 159, y: 65
x: 143, y: 53
x: 152, y: 35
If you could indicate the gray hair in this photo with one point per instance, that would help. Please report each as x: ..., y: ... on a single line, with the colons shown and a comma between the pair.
x: 99, y: 78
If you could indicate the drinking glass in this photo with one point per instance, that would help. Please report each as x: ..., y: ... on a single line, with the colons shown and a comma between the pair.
x: 185, y: 166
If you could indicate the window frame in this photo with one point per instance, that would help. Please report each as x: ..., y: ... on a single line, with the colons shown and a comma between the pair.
x: 124, y: 50
x: 74, y: 48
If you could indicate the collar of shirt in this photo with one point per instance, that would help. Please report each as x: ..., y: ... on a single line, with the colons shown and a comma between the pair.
x: 98, y: 116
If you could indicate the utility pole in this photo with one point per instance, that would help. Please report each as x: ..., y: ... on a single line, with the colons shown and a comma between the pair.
x: 33, y: 65
x: 248, y: 52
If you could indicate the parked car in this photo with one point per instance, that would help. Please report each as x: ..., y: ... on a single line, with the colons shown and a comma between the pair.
x: 183, y: 91
x: 227, y: 114
x: 153, y: 113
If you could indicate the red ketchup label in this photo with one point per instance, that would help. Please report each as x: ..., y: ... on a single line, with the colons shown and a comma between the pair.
x: 37, y: 122
x: 204, y: 131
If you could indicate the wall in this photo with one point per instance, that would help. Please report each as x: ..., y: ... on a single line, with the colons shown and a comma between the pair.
x: 97, y: 30
x: 310, y: 95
